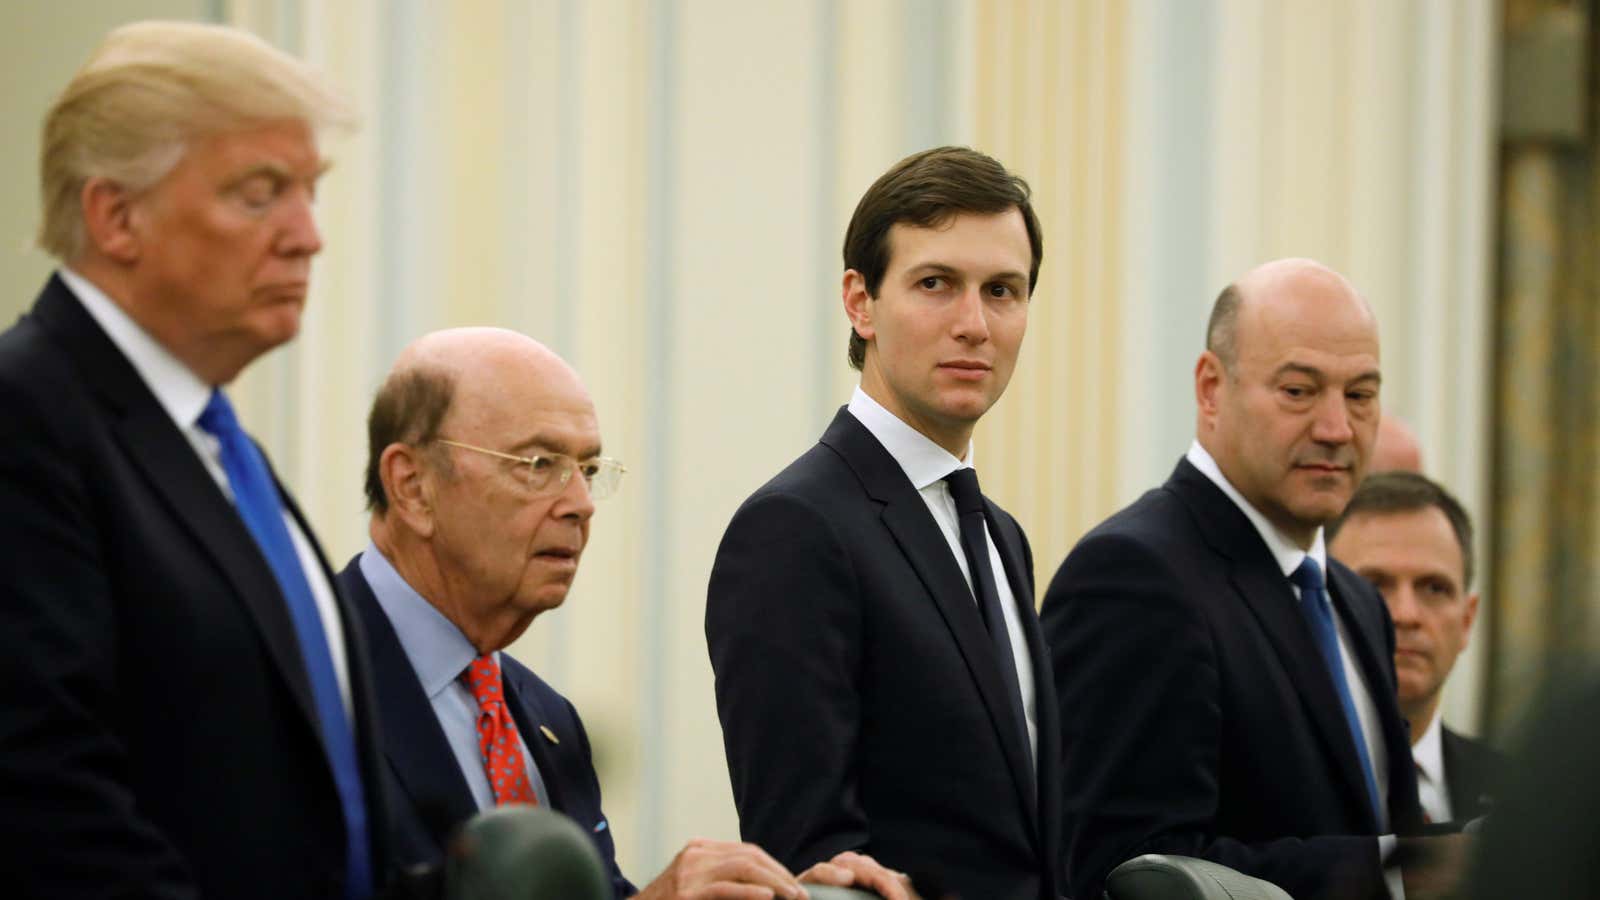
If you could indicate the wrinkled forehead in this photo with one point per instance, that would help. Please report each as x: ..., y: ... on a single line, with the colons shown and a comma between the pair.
x: 1313, y: 321
x: 526, y: 407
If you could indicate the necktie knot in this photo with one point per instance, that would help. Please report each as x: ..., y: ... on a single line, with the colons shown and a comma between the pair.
x: 964, y: 491
x: 217, y: 419
x: 1308, y: 577
x: 482, y: 678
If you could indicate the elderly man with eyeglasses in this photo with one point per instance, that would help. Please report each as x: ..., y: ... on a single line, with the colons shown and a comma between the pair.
x: 484, y: 466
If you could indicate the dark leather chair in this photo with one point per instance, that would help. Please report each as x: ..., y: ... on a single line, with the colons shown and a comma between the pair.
x: 1158, y: 877
x: 523, y: 853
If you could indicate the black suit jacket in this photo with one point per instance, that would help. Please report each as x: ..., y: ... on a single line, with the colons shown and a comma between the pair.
x: 1198, y: 716
x: 427, y: 792
x: 157, y: 732
x: 1472, y: 773
x: 862, y: 706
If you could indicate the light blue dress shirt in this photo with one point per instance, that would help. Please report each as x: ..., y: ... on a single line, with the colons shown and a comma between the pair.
x: 439, y: 653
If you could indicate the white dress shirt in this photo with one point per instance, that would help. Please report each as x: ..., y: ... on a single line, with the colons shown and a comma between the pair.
x: 1289, y: 556
x: 184, y: 396
x: 926, y: 464
x: 1432, y: 789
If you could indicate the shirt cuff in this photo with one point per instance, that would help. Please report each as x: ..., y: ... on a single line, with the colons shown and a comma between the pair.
x: 1391, y: 874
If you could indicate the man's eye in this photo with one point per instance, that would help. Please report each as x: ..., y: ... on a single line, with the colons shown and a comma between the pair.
x: 931, y: 283
x: 1296, y: 392
x: 258, y: 191
x: 589, y: 470
x: 541, y: 463
x: 1001, y: 291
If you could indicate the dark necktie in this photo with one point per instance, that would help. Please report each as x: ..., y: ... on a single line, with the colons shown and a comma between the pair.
x: 498, y: 742
x: 1318, y: 614
x: 975, y: 543
x: 255, y: 496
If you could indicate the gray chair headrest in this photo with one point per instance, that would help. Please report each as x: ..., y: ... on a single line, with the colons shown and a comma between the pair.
x: 1155, y: 876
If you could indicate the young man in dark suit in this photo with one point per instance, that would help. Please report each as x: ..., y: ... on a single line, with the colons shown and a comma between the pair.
x: 1413, y: 540
x: 1227, y: 691
x: 185, y: 708
x: 880, y: 674
x: 483, y: 470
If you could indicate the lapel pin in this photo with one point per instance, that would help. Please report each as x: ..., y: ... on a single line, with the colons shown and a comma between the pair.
x: 548, y: 734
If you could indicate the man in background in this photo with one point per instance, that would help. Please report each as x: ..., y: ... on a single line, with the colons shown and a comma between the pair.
x: 1413, y: 540
x: 185, y: 708
x: 484, y: 467
x: 1227, y: 690
x: 880, y: 674
x: 1396, y: 448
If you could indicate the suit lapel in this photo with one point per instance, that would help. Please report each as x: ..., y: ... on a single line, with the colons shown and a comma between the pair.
x: 160, y: 452
x: 1365, y: 628
x: 418, y: 752
x: 1019, y: 573
x: 1257, y: 580
x: 530, y: 715
x: 907, y: 519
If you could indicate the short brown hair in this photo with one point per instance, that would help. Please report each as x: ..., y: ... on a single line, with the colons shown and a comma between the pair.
x: 1402, y: 492
x: 926, y: 190
x: 409, y: 408
x: 1222, y: 329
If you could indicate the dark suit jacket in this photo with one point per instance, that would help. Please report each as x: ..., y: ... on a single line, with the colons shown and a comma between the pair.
x: 1198, y: 716
x: 157, y: 732
x: 1472, y: 772
x: 862, y: 706
x: 427, y: 792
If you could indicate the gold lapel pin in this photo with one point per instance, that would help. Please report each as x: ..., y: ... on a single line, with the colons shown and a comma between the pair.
x: 548, y: 734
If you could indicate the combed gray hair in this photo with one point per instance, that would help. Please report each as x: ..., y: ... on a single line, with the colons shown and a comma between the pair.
x: 147, y: 91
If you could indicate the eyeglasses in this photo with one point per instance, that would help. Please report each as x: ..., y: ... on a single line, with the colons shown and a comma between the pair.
x: 550, y: 473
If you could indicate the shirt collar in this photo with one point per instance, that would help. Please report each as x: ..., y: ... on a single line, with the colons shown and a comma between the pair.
x: 923, y: 461
x: 1429, y: 752
x: 1285, y: 551
x: 438, y: 651
x: 179, y: 391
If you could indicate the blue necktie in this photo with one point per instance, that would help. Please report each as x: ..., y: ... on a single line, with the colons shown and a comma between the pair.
x: 1319, y: 618
x: 255, y: 496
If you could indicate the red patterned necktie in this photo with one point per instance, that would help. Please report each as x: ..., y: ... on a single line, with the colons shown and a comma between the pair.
x: 498, y: 744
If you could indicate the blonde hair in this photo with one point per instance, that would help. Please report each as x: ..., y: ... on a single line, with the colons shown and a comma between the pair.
x: 148, y: 90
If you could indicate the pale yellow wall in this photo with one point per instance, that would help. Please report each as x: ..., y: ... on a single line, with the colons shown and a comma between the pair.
x: 41, y: 45
x: 659, y: 190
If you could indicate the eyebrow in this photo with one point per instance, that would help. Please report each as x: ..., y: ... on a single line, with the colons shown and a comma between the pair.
x: 1319, y: 375
x: 943, y: 269
x: 278, y: 171
x: 549, y: 444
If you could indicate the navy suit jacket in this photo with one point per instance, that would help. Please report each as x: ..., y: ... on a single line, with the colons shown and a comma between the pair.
x: 1472, y: 772
x: 862, y: 705
x: 1199, y: 718
x: 157, y: 733
x: 428, y: 794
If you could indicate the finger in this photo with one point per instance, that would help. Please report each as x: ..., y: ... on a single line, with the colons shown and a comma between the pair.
x: 868, y: 872
x: 745, y: 864
x: 828, y: 873
x: 727, y: 890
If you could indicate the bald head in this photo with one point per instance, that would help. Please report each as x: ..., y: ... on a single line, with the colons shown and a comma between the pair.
x: 465, y: 370
x: 1267, y: 283
x: 1396, y: 448
x: 478, y: 481
x: 1287, y: 391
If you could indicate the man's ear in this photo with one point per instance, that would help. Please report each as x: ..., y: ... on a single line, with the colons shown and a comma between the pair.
x: 1469, y: 615
x: 408, y: 484
x: 109, y: 218
x: 858, y: 304
x: 1208, y: 375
